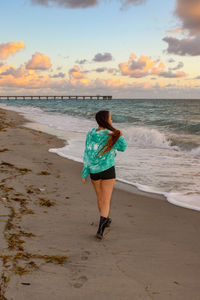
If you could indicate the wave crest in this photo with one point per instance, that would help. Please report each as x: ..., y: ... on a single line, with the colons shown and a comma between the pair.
x: 147, y: 137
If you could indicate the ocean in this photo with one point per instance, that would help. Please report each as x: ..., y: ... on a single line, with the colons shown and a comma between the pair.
x: 163, y: 136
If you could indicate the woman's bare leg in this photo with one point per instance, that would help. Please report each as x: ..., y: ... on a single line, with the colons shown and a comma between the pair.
x: 97, y: 187
x: 103, y: 189
x: 106, y: 193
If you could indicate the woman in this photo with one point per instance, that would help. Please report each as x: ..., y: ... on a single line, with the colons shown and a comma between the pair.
x: 100, y: 150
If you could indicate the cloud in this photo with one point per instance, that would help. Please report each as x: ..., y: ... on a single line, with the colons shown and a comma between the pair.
x: 188, y: 11
x: 21, y: 80
x: 102, y: 57
x: 141, y: 67
x: 120, y: 88
x: 144, y: 66
x: 82, y: 3
x: 100, y: 70
x: 113, y: 71
x: 156, y: 70
x: 178, y: 66
x: 11, y: 77
x: 15, y: 72
x: 75, y: 73
x: 81, y: 61
x: 79, y: 82
x: 187, y: 46
x: 100, y: 83
x: 9, y: 71
x: 67, y: 3
x: 39, y: 61
x: 21, y: 77
x: 137, y: 65
x: 58, y: 75
x: 129, y: 2
x: 10, y: 49
x: 175, y: 31
x: 170, y: 74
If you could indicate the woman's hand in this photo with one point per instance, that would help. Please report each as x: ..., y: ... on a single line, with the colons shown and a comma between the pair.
x: 83, y: 180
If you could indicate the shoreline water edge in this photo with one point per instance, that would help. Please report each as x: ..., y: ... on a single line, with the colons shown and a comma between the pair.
x: 48, y: 221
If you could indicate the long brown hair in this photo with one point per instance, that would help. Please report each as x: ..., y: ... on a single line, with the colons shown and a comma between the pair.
x: 102, y: 120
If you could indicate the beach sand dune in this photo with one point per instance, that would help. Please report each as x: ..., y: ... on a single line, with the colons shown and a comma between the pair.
x: 48, y: 221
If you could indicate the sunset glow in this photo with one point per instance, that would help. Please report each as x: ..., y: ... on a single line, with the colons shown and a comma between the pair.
x: 97, y: 55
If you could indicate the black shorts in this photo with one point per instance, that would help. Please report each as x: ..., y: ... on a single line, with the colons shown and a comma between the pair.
x: 106, y: 174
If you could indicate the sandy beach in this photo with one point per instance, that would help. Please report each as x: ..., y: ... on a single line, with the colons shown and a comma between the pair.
x: 48, y: 221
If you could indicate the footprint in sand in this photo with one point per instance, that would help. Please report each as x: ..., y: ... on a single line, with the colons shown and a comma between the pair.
x: 85, y: 255
x: 79, y: 281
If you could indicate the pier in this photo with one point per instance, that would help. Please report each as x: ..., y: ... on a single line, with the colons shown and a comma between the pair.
x: 97, y: 97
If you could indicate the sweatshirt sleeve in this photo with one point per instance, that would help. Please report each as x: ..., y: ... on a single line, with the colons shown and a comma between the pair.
x: 121, y: 144
x: 85, y: 170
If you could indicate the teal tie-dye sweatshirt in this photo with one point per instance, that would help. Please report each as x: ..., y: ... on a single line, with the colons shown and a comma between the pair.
x: 95, y: 140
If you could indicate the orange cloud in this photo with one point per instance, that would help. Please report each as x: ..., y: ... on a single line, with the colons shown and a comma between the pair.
x: 24, y: 80
x: 111, y: 82
x: 10, y: 76
x: 10, y: 49
x: 79, y: 82
x: 30, y: 81
x: 148, y: 64
x: 85, y: 81
x: 77, y: 77
x: 147, y: 85
x: 39, y: 61
x: 144, y: 66
x: 75, y: 73
x: 159, y: 69
x: 189, y: 13
x: 21, y: 77
x: 6, y: 70
x: 175, y: 30
x: 137, y: 68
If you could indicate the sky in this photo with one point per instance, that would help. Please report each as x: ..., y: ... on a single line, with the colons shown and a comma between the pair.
x: 123, y: 48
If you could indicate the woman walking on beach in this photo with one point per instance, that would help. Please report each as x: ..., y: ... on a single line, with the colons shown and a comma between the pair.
x: 100, y: 150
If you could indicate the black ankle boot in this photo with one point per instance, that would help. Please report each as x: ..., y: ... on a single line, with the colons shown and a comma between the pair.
x: 102, y: 225
x: 109, y: 220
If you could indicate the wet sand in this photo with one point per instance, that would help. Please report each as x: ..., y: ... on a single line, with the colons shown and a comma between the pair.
x: 48, y: 221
